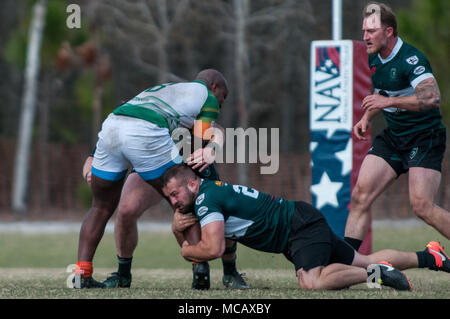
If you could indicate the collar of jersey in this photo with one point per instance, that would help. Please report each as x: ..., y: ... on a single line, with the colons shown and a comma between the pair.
x: 394, y: 52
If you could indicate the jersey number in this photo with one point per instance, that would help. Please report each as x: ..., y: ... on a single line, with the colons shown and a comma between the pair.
x: 158, y: 87
x: 250, y: 192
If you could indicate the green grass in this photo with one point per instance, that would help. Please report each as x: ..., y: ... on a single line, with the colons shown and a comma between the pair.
x: 33, y: 266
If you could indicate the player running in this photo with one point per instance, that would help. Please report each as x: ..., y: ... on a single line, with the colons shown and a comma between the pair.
x: 263, y: 222
x: 407, y: 94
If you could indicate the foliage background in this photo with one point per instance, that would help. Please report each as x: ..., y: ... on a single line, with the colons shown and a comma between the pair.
x: 123, y: 47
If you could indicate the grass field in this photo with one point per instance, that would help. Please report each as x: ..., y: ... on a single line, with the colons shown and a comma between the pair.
x: 33, y: 266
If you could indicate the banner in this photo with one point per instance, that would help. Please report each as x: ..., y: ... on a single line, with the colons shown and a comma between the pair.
x: 340, y: 79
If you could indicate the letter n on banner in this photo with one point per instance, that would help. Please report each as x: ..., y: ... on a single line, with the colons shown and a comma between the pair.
x: 340, y: 80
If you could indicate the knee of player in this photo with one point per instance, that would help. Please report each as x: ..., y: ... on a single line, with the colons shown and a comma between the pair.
x: 127, y: 211
x: 360, y: 197
x: 307, y: 280
x: 422, y: 207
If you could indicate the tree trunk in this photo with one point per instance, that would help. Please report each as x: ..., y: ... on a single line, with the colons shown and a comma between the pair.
x: 20, y: 180
x: 43, y: 142
x: 241, y: 8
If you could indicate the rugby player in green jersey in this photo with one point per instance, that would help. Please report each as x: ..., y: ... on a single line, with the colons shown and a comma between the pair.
x: 407, y: 94
x: 138, y: 134
x: 266, y: 223
x: 137, y: 197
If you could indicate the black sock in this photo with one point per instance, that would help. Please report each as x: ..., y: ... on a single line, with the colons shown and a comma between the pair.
x: 124, y: 266
x: 229, y: 266
x: 425, y: 259
x: 354, y: 242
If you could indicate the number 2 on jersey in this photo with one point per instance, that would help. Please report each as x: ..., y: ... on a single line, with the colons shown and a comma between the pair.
x: 250, y: 192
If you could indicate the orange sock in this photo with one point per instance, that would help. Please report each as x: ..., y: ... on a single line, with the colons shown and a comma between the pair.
x: 84, y: 268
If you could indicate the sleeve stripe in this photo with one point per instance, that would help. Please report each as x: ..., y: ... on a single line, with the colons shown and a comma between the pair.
x: 208, y: 114
x: 211, y: 217
x: 419, y: 79
x: 210, y: 109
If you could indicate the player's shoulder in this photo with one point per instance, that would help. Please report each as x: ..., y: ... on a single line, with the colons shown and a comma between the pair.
x: 211, y: 186
x: 409, y: 48
x: 194, y: 85
x: 210, y: 196
x: 412, y: 56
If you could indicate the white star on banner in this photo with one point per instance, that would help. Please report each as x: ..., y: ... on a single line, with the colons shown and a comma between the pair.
x: 345, y: 156
x: 326, y: 191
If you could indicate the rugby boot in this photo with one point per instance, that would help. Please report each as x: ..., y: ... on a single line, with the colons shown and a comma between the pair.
x: 234, y: 281
x: 115, y: 280
x: 391, y: 277
x: 87, y: 283
x: 437, y: 257
x: 200, y: 279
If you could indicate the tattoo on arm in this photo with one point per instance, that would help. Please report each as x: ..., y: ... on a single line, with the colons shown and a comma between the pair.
x: 428, y: 95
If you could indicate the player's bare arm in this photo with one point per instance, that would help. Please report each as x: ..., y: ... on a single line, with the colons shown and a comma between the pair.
x: 428, y: 94
x: 426, y: 97
x: 360, y: 128
x: 87, y: 169
x: 211, y: 245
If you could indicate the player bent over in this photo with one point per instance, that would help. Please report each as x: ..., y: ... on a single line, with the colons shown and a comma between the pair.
x: 266, y: 223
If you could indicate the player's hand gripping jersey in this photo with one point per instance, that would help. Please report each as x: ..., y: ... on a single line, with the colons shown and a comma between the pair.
x: 255, y: 219
x: 398, y: 75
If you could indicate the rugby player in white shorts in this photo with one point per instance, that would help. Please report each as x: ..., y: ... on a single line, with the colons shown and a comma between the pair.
x: 138, y: 134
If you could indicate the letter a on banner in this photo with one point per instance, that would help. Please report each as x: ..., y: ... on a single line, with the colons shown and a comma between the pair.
x: 340, y: 80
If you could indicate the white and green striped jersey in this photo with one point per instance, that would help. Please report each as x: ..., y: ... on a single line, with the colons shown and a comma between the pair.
x: 398, y: 75
x: 173, y: 105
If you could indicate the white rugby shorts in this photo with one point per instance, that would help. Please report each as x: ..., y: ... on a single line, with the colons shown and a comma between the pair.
x: 126, y: 142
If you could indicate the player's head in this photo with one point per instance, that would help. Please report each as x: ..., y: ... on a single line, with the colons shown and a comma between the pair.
x: 180, y: 186
x: 216, y: 83
x: 379, y: 25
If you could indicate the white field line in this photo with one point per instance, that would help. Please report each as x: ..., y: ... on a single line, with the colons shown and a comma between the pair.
x: 53, y: 227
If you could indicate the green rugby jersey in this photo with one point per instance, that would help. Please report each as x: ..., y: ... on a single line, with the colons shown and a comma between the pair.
x: 257, y: 220
x: 398, y: 75
x: 173, y: 105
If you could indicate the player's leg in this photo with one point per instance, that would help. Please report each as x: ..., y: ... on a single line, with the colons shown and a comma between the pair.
x: 310, y: 248
x: 109, y: 168
x: 136, y: 197
x: 423, y: 187
x: 322, y: 259
x: 432, y: 257
x: 106, y: 196
x: 398, y: 259
x: 334, y: 276
x: 318, y: 269
x: 231, y: 277
x: 347, y: 267
x: 374, y: 177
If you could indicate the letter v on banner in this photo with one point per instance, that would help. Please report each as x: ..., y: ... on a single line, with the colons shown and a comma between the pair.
x: 340, y: 80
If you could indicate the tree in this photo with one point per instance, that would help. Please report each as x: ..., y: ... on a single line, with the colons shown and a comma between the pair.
x: 143, y: 28
x: 28, y: 106
x: 426, y: 27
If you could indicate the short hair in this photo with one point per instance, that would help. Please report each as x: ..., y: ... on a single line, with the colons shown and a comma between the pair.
x: 387, y: 15
x: 211, y: 76
x: 180, y: 172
